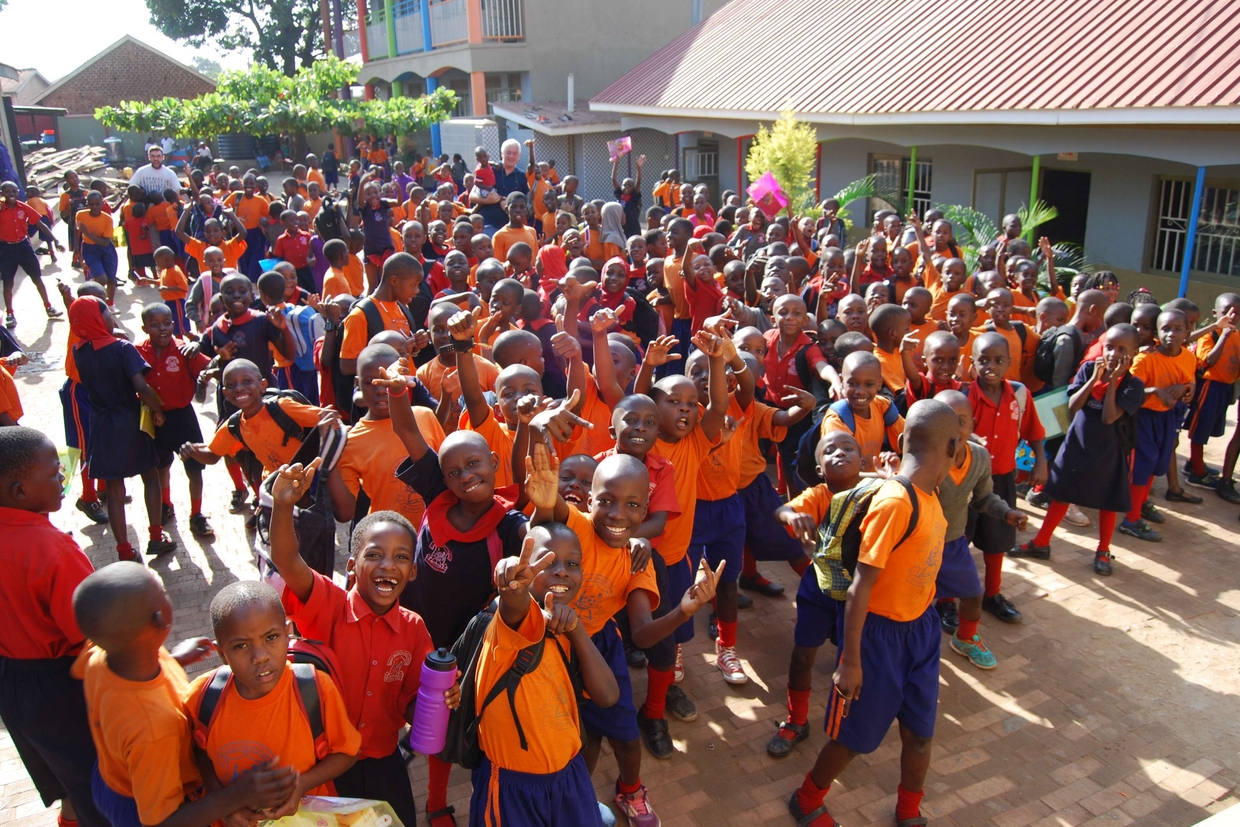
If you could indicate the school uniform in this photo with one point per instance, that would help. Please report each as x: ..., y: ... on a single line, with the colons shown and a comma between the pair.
x: 1207, y: 414
x: 294, y: 247
x: 765, y: 536
x: 441, y: 380
x: 253, y: 333
x: 818, y: 614
x: 232, y: 248
x: 250, y: 212
x: 1157, y: 423
x: 100, y: 259
x: 901, y: 639
x: 719, y: 517
x: 1003, y: 425
x: 880, y: 431
x: 375, y: 225
x: 1092, y: 467
x: 174, y: 377
x: 371, y: 457
x: 117, y: 446
x: 967, y: 489
x: 781, y: 372
x: 15, y: 249
x: 173, y: 289
x: 261, y: 436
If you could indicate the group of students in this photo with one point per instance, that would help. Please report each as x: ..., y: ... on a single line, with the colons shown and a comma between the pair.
x: 577, y: 416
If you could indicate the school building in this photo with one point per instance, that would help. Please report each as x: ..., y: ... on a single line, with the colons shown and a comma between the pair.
x: 1125, y: 117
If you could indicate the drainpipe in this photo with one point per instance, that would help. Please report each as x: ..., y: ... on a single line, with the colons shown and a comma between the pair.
x: 390, y: 20
x: 426, y: 30
x: 431, y: 85
x: 572, y: 101
x: 1190, y: 243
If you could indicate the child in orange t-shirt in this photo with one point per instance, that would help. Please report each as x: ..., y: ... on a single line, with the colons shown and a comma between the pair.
x: 10, y: 400
x: 135, y: 700
x: 173, y: 288
x: 339, y: 281
x: 890, y: 324
x: 250, y: 710
x: 1021, y: 338
x: 865, y: 413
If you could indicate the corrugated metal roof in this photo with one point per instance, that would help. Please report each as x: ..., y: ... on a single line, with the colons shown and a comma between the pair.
x: 906, y: 57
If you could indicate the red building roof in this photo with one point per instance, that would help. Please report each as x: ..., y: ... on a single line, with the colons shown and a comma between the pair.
x: 962, y: 61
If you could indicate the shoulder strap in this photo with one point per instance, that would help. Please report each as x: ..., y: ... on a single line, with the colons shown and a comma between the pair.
x: 211, y: 696
x: 308, y: 693
x: 913, y: 517
x: 527, y: 661
x: 285, y: 422
x: 890, y: 415
x: 1022, y: 332
x: 234, y: 427
x: 374, y: 319
x: 845, y: 413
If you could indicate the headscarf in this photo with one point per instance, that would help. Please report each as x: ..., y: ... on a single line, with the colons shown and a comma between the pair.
x: 613, y: 300
x: 86, y: 322
x: 612, y: 225
x: 554, y: 262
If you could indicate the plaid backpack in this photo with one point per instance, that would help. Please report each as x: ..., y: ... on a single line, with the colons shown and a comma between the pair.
x: 839, y: 535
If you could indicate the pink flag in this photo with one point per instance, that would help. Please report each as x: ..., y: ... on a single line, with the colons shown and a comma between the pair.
x: 768, y: 195
x: 621, y: 146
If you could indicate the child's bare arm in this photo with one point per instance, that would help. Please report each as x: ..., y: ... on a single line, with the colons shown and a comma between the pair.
x: 527, y: 407
x: 461, y: 327
x: 647, y: 631
x: 1217, y: 351
x: 717, y: 384
x: 604, y: 367
x: 542, y: 486
x: 746, y: 383
x: 291, y: 484
x: 344, y: 503
x: 569, y: 350
x: 148, y: 396
x: 324, y: 771
x: 182, y: 223
x: 908, y: 347
x: 264, y: 786
x: 513, y: 576
x: 200, y: 452
x: 658, y: 353
x: 803, y: 403
x: 400, y: 409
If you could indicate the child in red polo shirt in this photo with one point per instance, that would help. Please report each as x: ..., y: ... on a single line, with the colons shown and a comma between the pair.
x: 784, y: 342
x: 293, y: 246
x: 381, y: 645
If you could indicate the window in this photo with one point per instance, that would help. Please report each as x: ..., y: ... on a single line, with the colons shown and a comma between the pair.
x: 464, y: 108
x: 1218, y: 228
x: 504, y: 87
x: 891, y: 182
x: 701, y: 161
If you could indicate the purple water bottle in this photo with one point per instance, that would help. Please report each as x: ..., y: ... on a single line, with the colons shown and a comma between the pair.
x: 430, y: 716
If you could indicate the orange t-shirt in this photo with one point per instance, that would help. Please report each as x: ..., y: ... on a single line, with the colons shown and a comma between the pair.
x: 941, y: 296
x: 686, y: 457
x: 921, y: 331
x: 232, y: 249
x: 440, y: 378
x: 245, y: 733
x: 500, y: 438
x: 1021, y: 360
x: 507, y: 236
x: 100, y: 224
x: 315, y: 175
x: 1157, y: 370
x: 893, y: 369
x: 173, y: 284
x: 264, y: 437
x: 720, y: 475
x: 313, y: 205
x: 592, y: 246
x: 673, y: 280
x: 609, y: 580
x: 355, y: 330
x: 164, y: 216
x: 814, y: 502
x: 370, y: 459
x: 10, y: 401
x: 250, y: 211
x: 1227, y: 368
x: 905, y: 587
x: 870, y: 432
x: 544, y: 700
x: 355, y: 273
x: 757, y: 425
x: 966, y: 358
x: 595, y: 409
x: 338, y: 282
x: 142, y: 733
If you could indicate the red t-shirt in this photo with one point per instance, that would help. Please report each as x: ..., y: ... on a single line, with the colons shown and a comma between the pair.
x: 172, y: 376
x: 705, y: 300
x: 1003, y: 425
x: 294, y: 248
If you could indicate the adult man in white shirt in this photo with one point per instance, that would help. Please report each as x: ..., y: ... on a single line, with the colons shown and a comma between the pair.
x: 155, y: 177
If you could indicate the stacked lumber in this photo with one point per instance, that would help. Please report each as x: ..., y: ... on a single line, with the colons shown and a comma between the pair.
x: 45, y: 168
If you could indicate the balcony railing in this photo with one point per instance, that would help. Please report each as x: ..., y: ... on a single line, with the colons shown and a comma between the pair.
x: 376, y: 35
x: 502, y: 20
x: 449, y: 23
x: 352, y: 43
x: 407, y: 15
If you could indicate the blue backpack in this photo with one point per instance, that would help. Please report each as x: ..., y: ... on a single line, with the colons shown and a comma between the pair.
x: 807, y: 465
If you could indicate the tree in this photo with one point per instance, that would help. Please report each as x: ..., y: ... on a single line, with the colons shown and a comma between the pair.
x: 789, y: 151
x: 207, y: 66
x: 281, y: 34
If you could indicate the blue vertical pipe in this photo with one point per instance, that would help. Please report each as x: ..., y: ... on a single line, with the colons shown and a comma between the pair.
x: 431, y: 85
x: 1190, y: 242
x: 426, y: 25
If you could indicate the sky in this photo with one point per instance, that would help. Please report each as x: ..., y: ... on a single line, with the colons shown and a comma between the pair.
x: 31, y: 38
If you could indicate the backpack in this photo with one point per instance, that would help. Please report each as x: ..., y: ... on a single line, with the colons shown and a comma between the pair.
x: 839, y: 536
x: 328, y: 223
x: 342, y: 384
x: 1044, y: 355
x: 461, y: 746
x: 645, y: 321
x: 1022, y: 333
x: 290, y: 429
x: 806, y: 463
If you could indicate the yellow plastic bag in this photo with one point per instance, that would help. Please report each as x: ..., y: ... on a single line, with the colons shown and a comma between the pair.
x: 324, y: 811
x: 118, y: 236
x: 147, y: 423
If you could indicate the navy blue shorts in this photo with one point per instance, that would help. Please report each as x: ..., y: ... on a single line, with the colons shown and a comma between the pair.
x: 180, y: 426
x: 679, y: 579
x: 101, y: 260
x: 766, y: 536
x: 15, y: 256
x: 119, y: 810
x: 900, y: 682
x: 818, y: 614
x: 294, y: 378
x: 520, y: 799
x: 719, y: 534
x: 618, y: 721
x: 75, y: 405
x: 1207, y: 415
x: 1156, y: 436
x: 958, y: 573
x: 180, y: 322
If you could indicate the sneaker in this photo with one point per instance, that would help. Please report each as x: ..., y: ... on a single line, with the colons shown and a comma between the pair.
x: 238, y: 503
x: 1141, y: 530
x: 1037, y: 499
x: 678, y: 670
x: 680, y: 705
x: 1188, y: 469
x: 53, y: 313
x: 1102, y: 563
x: 1208, y: 480
x: 975, y: 651
x: 1150, y: 513
x: 785, y: 738
x: 636, y: 657
x: 1002, y: 608
x: 761, y: 585
x: 1183, y: 496
x: 949, y: 617
x: 1030, y: 551
x: 636, y: 807
x: 654, y: 733
x: 166, y: 513
x: 743, y: 601
x: 10, y: 321
x: 93, y: 510
x: 729, y: 664
x: 199, y: 527
x: 164, y: 545
x: 1075, y: 516
x: 1226, y: 489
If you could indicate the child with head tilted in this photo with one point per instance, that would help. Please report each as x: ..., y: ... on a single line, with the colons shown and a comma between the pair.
x: 380, y: 662
x: 1092, y: 468
x: 864, y: 412
x: 889, y: 637
x: 146, y: 773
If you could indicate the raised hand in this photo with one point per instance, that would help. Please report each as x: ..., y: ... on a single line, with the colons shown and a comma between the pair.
x: 531, y: 405
x: 802, y: 525
x: 293, y: 481
x: 703, y: 589
x: 417, y: 342
x: 560, y: 617
x: 660, y: 351
x: 910, y: 343
x: 315, y: 302
x: 513, y: 575
x: 192, y: 651
x: 276, y: 314
x: 708, y: 343
x: 574, y: 289
x: 462, y: 325
x: 796, y: 396
x: 559, y: 421
x: 604, y: 320
x: 542, y: 479
x: 393, y: 377
x: 566, y: 346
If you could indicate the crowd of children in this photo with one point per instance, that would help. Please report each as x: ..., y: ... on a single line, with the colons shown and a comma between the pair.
x: 551, y: 442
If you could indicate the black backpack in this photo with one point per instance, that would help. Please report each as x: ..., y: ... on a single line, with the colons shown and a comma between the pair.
x: 342, y: 384
x: 307, y: 693
x: 290, y: 429
x: 1044, y: 356
x: 645, y: 321
x: 461, y: 746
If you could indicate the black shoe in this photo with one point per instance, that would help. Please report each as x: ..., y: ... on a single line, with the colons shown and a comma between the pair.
x: 251, y: 522
x: 166, y: 513
x: 1191, y: 499
x: 1226, y: 489
x: 636, y: 657
x: 1038, y: 499
x: 94, y: 511
x: 712, y: 626
x: 103, y: 498
x: 780, y: 744
x: 744, y: 601
x: 949, y: 617
x: 1150, y: 513
x: 680, y: 705
x: 1029, y: 551
x: 199, y: 527
x: 1002, y: 608
x: 157, y: 548
x: 1102, y: 563
x: 238, y: 503
x: 655, y: 734
x: 761, y: 585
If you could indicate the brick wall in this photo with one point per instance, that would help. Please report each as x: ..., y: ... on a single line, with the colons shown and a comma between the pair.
x: 128, y: 72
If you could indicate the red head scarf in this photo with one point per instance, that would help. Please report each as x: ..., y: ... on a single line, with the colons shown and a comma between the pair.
x: 613, y: 300
x: 554, y: 263
x: 87, y: 323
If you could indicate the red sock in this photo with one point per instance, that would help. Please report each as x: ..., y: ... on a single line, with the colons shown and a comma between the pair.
x: 166, y: 495
x: 195, y: 506
x: 908, y: 805
x: 124, y: 551
x: 234, y: 472
x: 61, y: 821
x: 798, y: 706
x: 800, y: 565
x: 749, y: 566
x: 156, y: 532
x: 810, y: 798
x: 968, y: 628
x: 657, y: 684
x: 437, y: 783
x: 1106, y: 529
x: 1138, y: 495
x: 101, y: 486
x: 1197, y: 459
x: 1054, y: 516
x: 628, y: 789
x: 727, y: 633
x: 994, y: 573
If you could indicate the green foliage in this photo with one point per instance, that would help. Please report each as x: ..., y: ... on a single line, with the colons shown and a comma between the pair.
x: 262, y: 101
x: 1033, y: 217
x: 1070, y: 259
x: 972, y: 229
x: 857, y: 190
x: 279, y: 34
x: 789, y: 151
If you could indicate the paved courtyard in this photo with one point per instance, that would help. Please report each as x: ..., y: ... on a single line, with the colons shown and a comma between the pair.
x: 1116, y: 702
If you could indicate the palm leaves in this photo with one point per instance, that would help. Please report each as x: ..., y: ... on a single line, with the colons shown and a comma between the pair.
x: 973, y: 230
x: 861, y: 188
x: 1033, y: 217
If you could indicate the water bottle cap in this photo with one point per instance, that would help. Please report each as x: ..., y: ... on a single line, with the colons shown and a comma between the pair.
x: 441, y: 660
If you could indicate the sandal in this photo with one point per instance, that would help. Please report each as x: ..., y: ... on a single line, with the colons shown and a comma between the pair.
x: 806, y: 819
x: 446, y: 812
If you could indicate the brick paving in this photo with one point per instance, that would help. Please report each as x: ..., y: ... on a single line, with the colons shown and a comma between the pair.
x: 1116, y: 702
